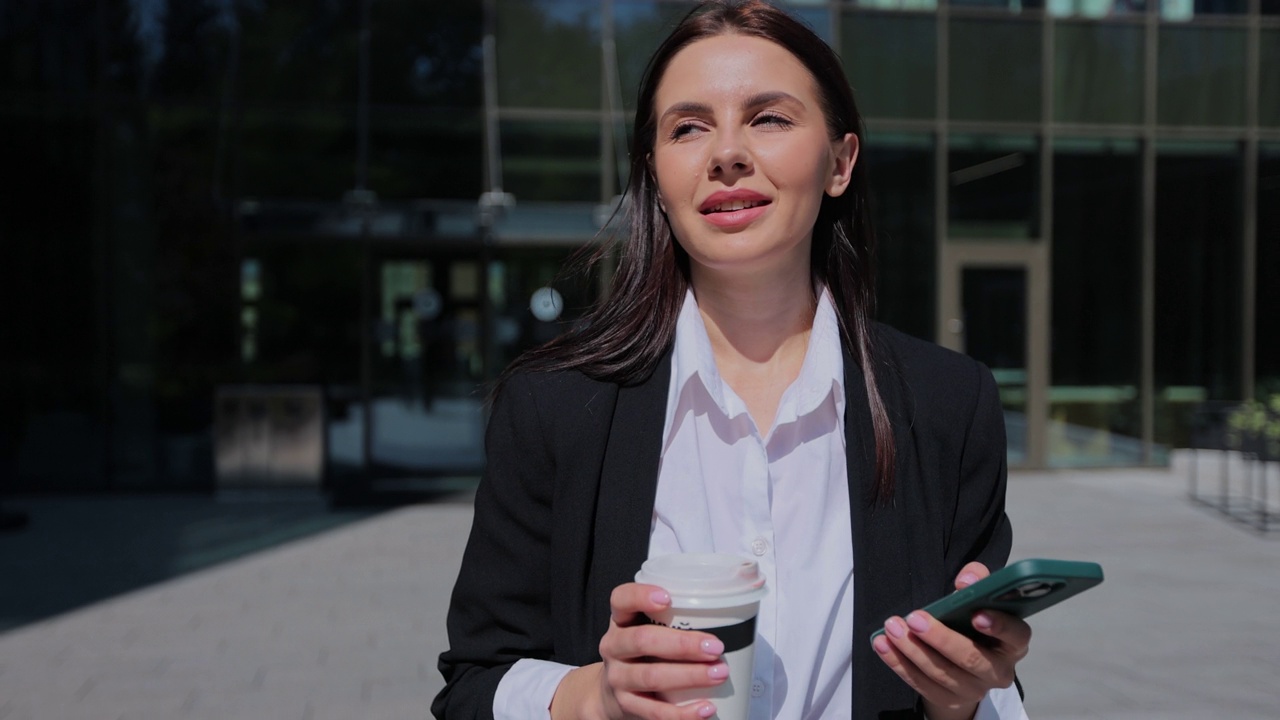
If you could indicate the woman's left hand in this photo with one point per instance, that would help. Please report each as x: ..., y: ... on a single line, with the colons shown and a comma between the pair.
x: 950, y: 671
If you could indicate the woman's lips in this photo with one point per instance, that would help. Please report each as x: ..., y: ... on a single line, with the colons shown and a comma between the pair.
x: 735, y: 218
x: 734, y: 209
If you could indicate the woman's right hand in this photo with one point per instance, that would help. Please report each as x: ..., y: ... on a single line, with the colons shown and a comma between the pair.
x: 641, y: 659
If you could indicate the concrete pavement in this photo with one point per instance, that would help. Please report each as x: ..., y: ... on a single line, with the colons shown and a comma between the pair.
x: 347, y: 624
x: 1186, y: 625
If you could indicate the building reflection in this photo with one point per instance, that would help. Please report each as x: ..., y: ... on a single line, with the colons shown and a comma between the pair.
x: 268, y: 203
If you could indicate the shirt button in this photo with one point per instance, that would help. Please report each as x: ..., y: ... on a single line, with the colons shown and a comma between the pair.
x: 759, y: 546
x: 757, y: 688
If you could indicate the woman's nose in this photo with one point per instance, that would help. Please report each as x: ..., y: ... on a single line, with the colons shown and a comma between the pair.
x: 729, y: 155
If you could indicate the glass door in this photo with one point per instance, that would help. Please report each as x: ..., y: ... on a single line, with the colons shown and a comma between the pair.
x: 426, y: 374
x: 430, y: 363
x: 993, y: 306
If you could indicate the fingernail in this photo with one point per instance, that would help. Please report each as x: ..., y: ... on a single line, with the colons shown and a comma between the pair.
x: 881, y: 644
x: 713, y: 646
x: 660, y: 597
x: 894, y: 627
x: 719, y: 671
x: 968, y: 579
x: 917, y: 622
x: 983, y: 621
x: 707, y: 710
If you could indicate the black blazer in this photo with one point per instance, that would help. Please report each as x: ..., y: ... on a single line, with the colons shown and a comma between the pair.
x: 563, y: 513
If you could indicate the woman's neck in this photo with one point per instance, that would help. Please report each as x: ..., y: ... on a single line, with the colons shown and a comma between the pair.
x: 759, y: 332
x: 755, y: 321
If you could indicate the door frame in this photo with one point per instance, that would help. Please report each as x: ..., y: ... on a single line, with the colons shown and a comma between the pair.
x: 954, y: 257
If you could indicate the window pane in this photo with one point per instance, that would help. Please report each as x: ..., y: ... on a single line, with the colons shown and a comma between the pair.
x: 897, y: 4
x: 891, y: 62
x: 55, y: 416
x: 1198, y: 299
x: 1267, y: 353
x: 1187, y: 9
x: 1269, y: 82
x: 432, y: 153
x: 1094, y: 406
x: 191, y: 61
x: 302, y: 325
x: 985, y: 49
x: 818, y: 19
x: 306, y: 153
x: 551, y: 160
x: 1098, y: 73
x: 994, y: 188
x: 638, y: 27
x: 195, y: 288
x: 1095, y: 8
x: 1201, y: 76
x: 47, y: 49
x: 1012, y: 6
x: 307, y: 311
x: 994, y: 308
x: 548, y: 53
x: 425, y: 53
x: 300, y: 53
x: 902, y: 206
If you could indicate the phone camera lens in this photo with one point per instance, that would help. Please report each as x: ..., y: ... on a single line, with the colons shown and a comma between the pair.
x: 1034, y: 590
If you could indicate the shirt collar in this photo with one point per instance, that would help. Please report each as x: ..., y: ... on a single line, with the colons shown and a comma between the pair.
x: 692, y: 356
x: 822, y: 372
x: 823, y: 368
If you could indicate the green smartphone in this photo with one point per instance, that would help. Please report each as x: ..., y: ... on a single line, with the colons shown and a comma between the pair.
x: 1021, y: 589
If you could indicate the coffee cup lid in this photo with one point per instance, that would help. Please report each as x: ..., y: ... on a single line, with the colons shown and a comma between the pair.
x: 705, y: 579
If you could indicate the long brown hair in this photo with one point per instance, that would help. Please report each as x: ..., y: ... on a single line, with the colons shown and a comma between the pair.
x: 622, y: 339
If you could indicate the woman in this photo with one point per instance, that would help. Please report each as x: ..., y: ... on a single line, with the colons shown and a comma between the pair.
x: 735, y: 396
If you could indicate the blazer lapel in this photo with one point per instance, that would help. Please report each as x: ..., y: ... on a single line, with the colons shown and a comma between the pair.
x: 628, y: 487
x: 882, y: 576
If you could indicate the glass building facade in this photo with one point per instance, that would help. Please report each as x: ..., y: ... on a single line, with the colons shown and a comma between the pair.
x: 369, y: 197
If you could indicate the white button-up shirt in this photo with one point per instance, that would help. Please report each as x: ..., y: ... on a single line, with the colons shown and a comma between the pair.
x: 782, y: 499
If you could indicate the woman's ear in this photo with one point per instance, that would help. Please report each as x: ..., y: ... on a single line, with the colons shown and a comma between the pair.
x: 844, y: 155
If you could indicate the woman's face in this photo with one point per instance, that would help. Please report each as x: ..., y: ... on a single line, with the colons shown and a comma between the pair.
x: 742, y: 155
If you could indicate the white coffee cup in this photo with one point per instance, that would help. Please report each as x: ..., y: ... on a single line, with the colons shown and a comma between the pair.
x: 720, y: 595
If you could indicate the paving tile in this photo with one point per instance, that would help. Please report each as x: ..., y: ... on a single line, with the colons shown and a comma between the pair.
x: 349, y: 623
x: 248, y: 707
x: 1177, y: 628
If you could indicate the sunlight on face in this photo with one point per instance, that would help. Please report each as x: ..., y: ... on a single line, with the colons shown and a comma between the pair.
x: 742, y: 155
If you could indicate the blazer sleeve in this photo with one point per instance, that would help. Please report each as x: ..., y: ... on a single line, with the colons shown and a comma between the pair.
x: 500, y: 609
x: 980, y: 529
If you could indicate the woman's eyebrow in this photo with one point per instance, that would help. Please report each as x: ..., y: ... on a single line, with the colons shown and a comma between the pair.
x: 769, y: 98
x: 760, y: 99
x: 687, y: 108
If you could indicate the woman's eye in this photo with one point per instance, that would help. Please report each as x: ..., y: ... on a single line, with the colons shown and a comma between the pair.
x: 682, y: 130
x: 771, y: 120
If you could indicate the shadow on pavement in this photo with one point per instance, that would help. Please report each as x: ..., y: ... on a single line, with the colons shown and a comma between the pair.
x: 75, y: 551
